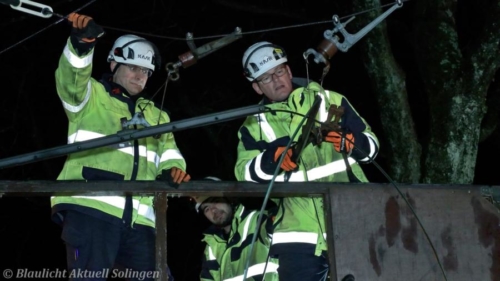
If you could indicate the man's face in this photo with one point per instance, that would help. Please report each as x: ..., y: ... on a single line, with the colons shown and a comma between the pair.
x: 220, y: 214
x: 273, y: 86
x: 131, y: 77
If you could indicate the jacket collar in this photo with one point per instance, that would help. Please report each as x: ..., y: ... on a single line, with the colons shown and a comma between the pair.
x: 267, y: 101
x: 116, y: 90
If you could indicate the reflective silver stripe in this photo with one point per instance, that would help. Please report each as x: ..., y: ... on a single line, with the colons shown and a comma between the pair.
x: 372, y: 152
x: 119, y: 202
x: 327, y: 93
x: 170, y: 154
x: 151, y: 156
x: 298, y: 176
x: 247, y: 225
x: 295, y: 237
x: 256, y: 269
x: 76, y: 61
x: 247, y: 171
x: 130, y: 150
x: 77, y: 108
x: 266, y: 128
x: 323, y: 113
x: 211, y: 255
x: 258, y: 170
x: 241, y: 212
x: 328, y: 169
x: 145, y: 211
x: 83, y: 135
x: 295, y: 176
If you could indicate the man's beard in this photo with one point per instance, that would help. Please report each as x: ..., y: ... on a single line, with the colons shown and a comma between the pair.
x: 225, y: 222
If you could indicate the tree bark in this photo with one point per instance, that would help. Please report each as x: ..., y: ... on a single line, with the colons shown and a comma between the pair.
x: 456, y: 82
x: 389, y: 85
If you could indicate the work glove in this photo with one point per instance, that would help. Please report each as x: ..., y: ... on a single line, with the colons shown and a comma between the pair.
x: 287, y: 164
x: 85, y: 30
x: 174, y: 177
x: 341, y: 144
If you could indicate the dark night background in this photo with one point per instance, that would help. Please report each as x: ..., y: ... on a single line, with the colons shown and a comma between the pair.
x: 33, y: 118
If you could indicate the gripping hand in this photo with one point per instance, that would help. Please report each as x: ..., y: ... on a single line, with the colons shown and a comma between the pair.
x: 287, y: 164
x: 343, y: 142
x: 174, y: 176
x: 84, y: 28
x: 179, y: 175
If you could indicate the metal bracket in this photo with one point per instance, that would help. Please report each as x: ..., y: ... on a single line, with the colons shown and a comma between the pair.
x: 22, y: 5
x: 137, y: 119
x: 191, y: 57
x: 331, y: 44
x: 350, y: 39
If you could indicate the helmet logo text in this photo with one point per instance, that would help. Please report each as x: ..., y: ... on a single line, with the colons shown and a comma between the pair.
x: 265, y: 60
x: 147, y: 56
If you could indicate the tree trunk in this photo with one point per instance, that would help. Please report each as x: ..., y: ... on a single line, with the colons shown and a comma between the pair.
x: 456, y: 82
x: 389, y: 85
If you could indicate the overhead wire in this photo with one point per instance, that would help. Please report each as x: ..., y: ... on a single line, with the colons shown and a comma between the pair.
x: 199, y: 37
x: 45, y: 28
x: 253, y: 31
x: 305, y: 117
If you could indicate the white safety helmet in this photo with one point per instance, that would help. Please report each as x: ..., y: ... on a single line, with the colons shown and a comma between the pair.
x: 200, y: 199
x: 132, y: 49
x: 260, y: 57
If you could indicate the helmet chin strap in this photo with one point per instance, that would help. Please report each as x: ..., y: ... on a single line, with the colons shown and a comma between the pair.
x: 116, y: 67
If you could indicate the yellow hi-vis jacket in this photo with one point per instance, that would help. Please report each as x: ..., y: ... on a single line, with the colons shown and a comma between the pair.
x: 226, y: 258
x: 300, y: 222
x: 95, y: 109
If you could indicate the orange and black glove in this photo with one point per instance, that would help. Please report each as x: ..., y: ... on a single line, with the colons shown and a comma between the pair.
x: 174, y: 177
x: 85, y: 30
x: 343, y: 142
x: 287, y: 164
x: 272, y: 154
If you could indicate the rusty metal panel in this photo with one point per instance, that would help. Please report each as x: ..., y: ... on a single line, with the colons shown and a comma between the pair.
x: 377, y: 237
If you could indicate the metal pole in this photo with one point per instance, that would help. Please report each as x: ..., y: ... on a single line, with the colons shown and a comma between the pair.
x: 130, y: 135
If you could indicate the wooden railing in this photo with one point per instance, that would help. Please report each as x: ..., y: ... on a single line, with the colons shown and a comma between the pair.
x: 372, y: 233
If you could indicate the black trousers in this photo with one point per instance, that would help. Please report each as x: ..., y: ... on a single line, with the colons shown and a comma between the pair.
x: 302, y: 267
x: 96, y: 249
